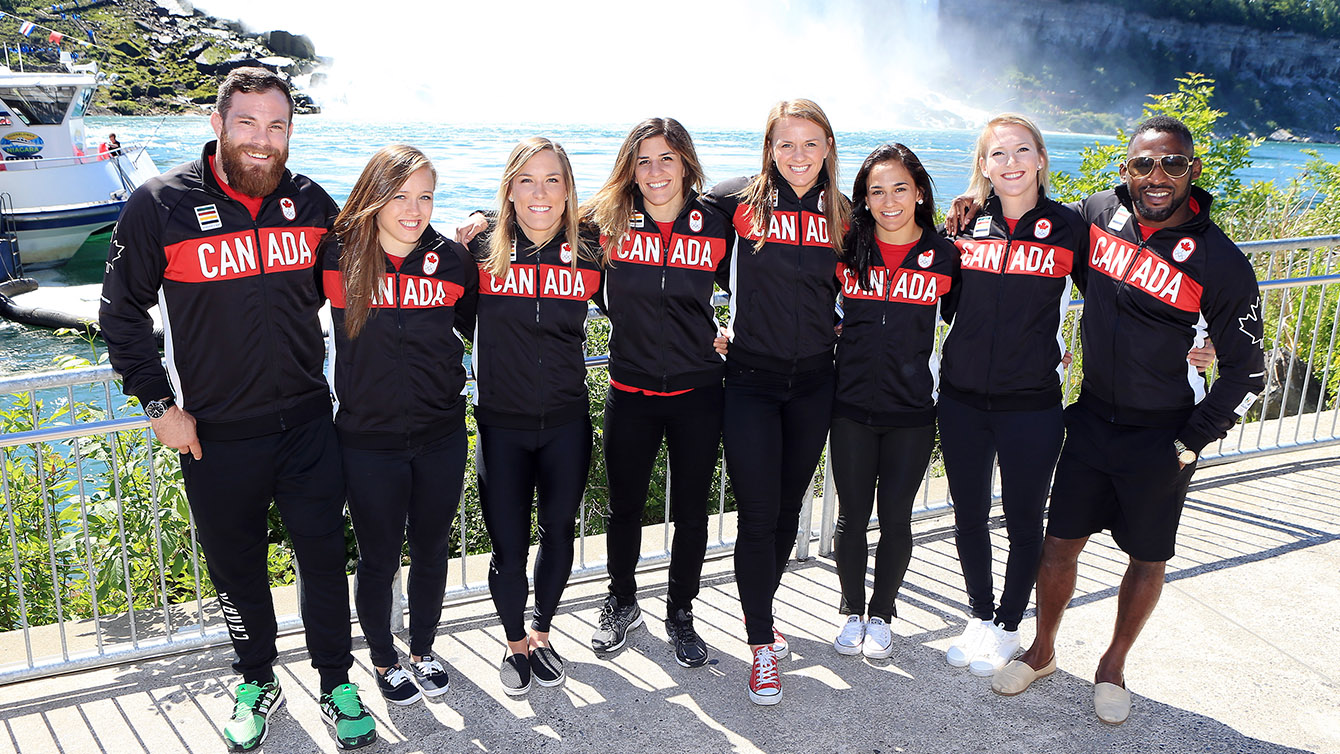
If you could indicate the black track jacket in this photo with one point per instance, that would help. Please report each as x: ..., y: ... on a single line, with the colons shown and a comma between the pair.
x: 399, y: 383
x: 887, y: 370
x: 1003, y: 351
x: 238, y: 298
x: 659, y: 300
x: 1147, y: 302
x: 782, y: 296
x: 527, y: 352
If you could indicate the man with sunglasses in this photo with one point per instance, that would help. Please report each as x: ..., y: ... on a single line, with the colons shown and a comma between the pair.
x: 1161, y: 277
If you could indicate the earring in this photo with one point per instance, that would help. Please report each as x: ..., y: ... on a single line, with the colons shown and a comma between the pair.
x: 920, y: 201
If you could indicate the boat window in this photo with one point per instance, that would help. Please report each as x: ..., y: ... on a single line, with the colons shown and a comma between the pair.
x: 82, y: 104
x: 38, y: 105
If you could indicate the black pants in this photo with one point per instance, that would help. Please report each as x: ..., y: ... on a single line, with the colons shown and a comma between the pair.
x: 1028, y: 444
x: 634, y: 427
x: 230, y: 489
x: 897, y: 458
x: 515, y: 467
x: 395, y: 494
x: 774, y: 431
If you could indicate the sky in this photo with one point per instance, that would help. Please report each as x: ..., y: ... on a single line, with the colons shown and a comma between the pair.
x: 710, y: 63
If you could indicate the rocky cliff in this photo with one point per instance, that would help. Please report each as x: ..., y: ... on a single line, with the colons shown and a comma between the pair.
x: 166, y: 57
x: 1082, y: 65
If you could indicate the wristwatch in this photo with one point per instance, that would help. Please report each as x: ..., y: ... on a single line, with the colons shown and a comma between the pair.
x: 1185, y: 456
x: 156, y: 409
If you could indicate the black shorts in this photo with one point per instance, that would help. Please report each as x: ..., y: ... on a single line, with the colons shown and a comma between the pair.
x: 1121, y: 478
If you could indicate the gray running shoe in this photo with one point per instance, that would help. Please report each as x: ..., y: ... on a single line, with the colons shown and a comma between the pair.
x: 615, y: 623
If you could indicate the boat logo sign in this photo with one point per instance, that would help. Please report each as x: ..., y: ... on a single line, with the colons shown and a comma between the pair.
x: 21, y: 143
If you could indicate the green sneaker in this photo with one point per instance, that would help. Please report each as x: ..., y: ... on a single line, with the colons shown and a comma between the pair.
x: 250, y: 722
x: 344, y: 711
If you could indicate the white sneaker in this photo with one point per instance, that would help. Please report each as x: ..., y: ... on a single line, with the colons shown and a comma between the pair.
x: 878, y: 643
x: 848, y: 641
x: 966, y: 646
x: 997, y: 648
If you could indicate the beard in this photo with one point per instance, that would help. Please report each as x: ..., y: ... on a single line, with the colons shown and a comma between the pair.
x: 247, y: 178
x: 1159, y: 214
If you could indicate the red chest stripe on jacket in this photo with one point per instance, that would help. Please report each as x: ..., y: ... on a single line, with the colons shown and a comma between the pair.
x: 903, y: 285
x: 1148, y: 272
x: 805, y: 228
x: 1024, y: 258
x: 690, y: 252
x: 231, y: 256
x: 554, y: 281
x: 415, y: 292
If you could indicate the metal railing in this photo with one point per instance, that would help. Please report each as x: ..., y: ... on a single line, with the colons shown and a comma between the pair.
x: 99, y: 558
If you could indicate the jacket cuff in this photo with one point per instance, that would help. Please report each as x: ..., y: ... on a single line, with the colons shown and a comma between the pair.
x: 153, y: 390
x: 1194, y: 441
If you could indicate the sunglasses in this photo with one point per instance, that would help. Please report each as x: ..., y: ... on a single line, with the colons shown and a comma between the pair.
x: 1174, y: 165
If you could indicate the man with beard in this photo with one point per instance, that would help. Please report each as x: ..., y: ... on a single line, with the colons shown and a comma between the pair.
x: 226, y: 246
x: 1161, y: 276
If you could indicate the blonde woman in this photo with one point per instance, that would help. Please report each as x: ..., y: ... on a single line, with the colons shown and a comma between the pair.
x: 779, y: 373
x: 537, y: 272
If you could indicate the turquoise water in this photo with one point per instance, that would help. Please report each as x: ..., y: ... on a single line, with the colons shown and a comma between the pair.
x: 469, y: 160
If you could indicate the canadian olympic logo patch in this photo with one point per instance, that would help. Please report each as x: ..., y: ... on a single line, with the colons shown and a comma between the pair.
x: 695, y: 221
x: 1183, y: 250
x: 286, y: 206
x: 1043, y: 228
x: 430, y: 262
x: 925, y: 258
x: 565, y: 253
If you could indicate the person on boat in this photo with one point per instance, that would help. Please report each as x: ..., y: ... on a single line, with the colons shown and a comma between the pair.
x: 1162, y: 275
x: 537, y: 273
x: 790, y: 220
x: 397, y: 290
x: 896, y: 272
x: 663, y: 247
x: 113, y: 146
x: 243, y: 397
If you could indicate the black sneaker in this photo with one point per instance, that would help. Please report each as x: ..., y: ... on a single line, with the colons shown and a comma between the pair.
x: 396, y: 686
x: 615, y: 623
x: 515, y: 674
x: 546, y: 666
x: 690, y: 649
x: 430, y: 674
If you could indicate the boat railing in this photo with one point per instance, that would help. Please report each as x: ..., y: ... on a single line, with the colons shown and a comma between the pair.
x: 98, y: 561
x: 44, y: 162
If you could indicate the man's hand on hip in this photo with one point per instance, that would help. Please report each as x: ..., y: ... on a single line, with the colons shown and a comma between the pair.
x: 176, y: 429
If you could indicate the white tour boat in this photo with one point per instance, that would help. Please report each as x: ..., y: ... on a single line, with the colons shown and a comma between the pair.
x: 56, y: 186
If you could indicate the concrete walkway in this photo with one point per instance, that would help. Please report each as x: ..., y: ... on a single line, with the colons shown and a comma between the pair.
x: 1241, y: 656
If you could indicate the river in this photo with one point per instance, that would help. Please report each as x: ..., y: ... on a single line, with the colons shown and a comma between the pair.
x: 469, y: 160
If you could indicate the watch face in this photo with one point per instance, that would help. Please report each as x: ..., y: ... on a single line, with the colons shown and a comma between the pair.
x: 155, y: 409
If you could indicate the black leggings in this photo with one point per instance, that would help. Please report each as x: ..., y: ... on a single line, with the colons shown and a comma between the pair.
x: 774, y: 431
x: 515, y: 467
x: 229, y: 490
x: 897, y: 457
x: 389, y: 489
x: 634, y: 426
x: 1028, y: 444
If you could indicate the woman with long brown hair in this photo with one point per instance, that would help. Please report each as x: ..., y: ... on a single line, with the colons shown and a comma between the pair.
x: 397, y: 290
x: 779, y: 373
x: 663, y: 247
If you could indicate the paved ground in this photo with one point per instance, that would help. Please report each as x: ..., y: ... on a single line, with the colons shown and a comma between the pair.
x: 1240, y: 657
